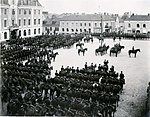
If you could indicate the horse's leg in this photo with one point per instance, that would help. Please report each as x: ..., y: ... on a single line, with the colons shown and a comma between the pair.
x: 135, y: 55
x: 116, y: 54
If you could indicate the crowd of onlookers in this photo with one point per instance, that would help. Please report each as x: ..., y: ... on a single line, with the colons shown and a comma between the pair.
x: 28, y: 88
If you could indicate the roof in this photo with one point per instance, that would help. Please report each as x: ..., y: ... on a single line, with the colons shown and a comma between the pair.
x: 139, y: 18
x: 29, y: 3
x: 88, y: 17
x: 53, y: 22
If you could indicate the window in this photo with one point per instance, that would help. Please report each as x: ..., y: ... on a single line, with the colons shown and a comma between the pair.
x: 80, y: 30
x: 38, y: 21
x: 19, y: 32
x: 39, y: 12
x: 39, y: 31
x: 144, y: 25
x: 5, y: 35
x: 63, y: 29
x: 72, y: 23
x: 84, y: 24
x: 29, y: 22
x: 24, y: 22
x: 50, y: 28
x: 24, y: 33
x: 80, y: 24
x: 13, y: 11
x: 67, y: 30
x: 13, y: 22
x: 25, y: 12
x: 5, y: 11
x: 29, y: 32
x: 138, y: 25
x: 84, y: 30
x: 100, y: 24
x: 67, y: 24
x: 5, y: 23
x: 89, y: 24
x: 95, y: 24
x: 72, y: 30
x: 29, y: 11
x: 34, y: 31
x: 19, y: 22
x: 19, y: 11
x: 34, y: 12
x: 34, y: 21
x: 129, y: 25
x: 76, y: 30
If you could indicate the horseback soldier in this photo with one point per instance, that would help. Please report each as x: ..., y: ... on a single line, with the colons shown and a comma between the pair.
x: 133, y: 48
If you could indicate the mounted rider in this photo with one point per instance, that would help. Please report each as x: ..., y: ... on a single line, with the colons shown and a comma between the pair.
x: 133, y: 48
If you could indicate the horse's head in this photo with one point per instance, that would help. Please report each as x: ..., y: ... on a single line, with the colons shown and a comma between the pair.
x: 139, y: 50
x: 56, y: 53
x: 122, y: 47
x: 85, y: 49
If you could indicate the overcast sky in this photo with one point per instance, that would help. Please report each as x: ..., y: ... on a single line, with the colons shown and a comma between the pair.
x: 95, y: 6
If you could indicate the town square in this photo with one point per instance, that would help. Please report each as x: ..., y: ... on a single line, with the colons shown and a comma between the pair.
x: 73, y: 60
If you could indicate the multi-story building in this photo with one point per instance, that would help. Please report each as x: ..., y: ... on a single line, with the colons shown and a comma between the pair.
x: 51, y: 25
x: 87, y: 23
x: 21, y: 18
x: 137, y: 24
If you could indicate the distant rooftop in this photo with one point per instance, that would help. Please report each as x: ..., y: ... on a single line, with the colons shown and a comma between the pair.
x: 139, y: 18
x: 88, y: 17
x: 28, y: 3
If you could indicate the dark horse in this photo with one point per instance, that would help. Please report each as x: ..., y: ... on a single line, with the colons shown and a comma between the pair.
x: 82, y: 50
x: 114, y: 50
x: 79, y: 44
x: 133, y: 52
x: 102, y: 50
x: 53, y: 55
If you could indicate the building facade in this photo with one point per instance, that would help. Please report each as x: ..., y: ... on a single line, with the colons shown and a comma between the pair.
x: 20, y: 18
x: 87, y: 23
x: 51, y: 25
x: 137, y: 24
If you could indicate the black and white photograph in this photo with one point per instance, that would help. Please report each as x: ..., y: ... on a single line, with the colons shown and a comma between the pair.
x: 75, y: 58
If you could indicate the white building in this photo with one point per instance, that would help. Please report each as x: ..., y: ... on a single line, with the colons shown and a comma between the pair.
x: 87, y: 23
x: 137, y: 24
x: 20, y: 18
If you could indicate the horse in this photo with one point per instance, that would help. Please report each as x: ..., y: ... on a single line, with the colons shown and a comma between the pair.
x: 53, y: 55
x: 79, y: 44
x: 133, y: 52
x: 82, y: 50
x: 102, y: 50
x: 114, y: 50
x: 87, y: 39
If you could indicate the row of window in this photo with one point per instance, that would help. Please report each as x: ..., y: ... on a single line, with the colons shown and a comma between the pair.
x: 137, y: 25
x: 21, y: 11
x: 28, y: 11
x: 36, y: 21
x: 25, y: 32
x: 85, y: 24
x: 76, y: 30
